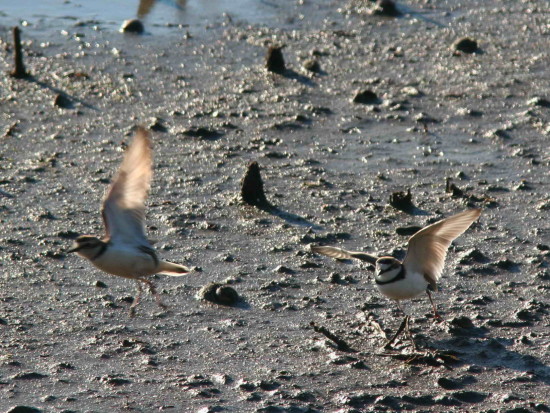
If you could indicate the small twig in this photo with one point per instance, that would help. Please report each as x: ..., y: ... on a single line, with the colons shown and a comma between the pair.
x: 404, y: 324
x: 341, y: 344
x: 19, y: 71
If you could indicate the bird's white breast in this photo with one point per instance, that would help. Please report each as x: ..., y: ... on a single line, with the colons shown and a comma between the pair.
x: 411, y: 286
x: 125, y: 261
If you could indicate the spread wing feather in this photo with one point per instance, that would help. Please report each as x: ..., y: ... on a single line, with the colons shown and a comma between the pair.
x: 428, y: 247
x: 342, y: 254
x: 124, y: 203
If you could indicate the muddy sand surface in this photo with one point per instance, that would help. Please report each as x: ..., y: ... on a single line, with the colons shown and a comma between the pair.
x: 329, y: 165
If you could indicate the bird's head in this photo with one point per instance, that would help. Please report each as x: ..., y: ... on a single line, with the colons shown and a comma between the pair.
x: 387, y: 265
x: 87, y: 246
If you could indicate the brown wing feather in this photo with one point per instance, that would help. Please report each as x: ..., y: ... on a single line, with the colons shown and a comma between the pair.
x: 428, y: 247
x: 124, y: 203
x: 342, y: 254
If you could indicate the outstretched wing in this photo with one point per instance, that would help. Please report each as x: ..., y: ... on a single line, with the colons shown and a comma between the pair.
x: 342, y: 254
x: 428, y: 247
x: 124, y: 204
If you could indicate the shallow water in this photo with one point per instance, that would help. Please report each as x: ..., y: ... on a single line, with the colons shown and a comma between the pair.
x: 46, y: 15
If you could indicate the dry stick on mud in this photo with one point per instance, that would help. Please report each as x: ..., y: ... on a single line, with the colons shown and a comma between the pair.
x: 342, y: 345
x: 19, y: 72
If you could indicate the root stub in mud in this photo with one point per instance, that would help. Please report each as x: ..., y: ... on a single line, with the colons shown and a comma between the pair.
x: 252, y: 187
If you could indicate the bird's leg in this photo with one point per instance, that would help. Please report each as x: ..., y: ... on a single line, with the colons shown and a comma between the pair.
x: 436, y: 314
x: 136, y: 299
x: 407, y: 318
x: 155, y: 293
x: 404, y: 323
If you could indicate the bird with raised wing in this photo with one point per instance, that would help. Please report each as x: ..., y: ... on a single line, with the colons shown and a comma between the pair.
x: 125, y: 250
x: 423, y: 265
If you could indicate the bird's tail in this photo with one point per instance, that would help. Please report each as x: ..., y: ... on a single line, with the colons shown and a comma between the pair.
x: 175, y: 270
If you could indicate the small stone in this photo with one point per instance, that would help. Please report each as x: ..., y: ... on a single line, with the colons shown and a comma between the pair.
x: 366, y: 97
x: 100, y: 284
x: 466, y: 45
x: 133, y: 26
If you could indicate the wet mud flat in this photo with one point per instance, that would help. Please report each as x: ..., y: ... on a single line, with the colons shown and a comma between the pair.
x: 458, y: 129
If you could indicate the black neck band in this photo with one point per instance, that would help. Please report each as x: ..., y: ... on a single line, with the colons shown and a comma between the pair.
x: 103, y: 248
x: 400, y: 275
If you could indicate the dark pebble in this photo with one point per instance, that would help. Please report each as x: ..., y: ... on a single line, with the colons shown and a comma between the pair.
x: 23, y: 409
x: 100, y: 284
x: 466, y: 45
x: 366, y: 97
x: 133, y: 26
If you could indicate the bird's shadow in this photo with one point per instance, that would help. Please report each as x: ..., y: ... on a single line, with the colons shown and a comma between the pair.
x: 68, y: 99
x: 476, y: 348
x: 293, y: 75
x: 289, y: 217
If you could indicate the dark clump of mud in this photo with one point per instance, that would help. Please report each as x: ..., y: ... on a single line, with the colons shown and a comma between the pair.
x: 219, y: 294
x: 466, y: 45
x: 402, y: 200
